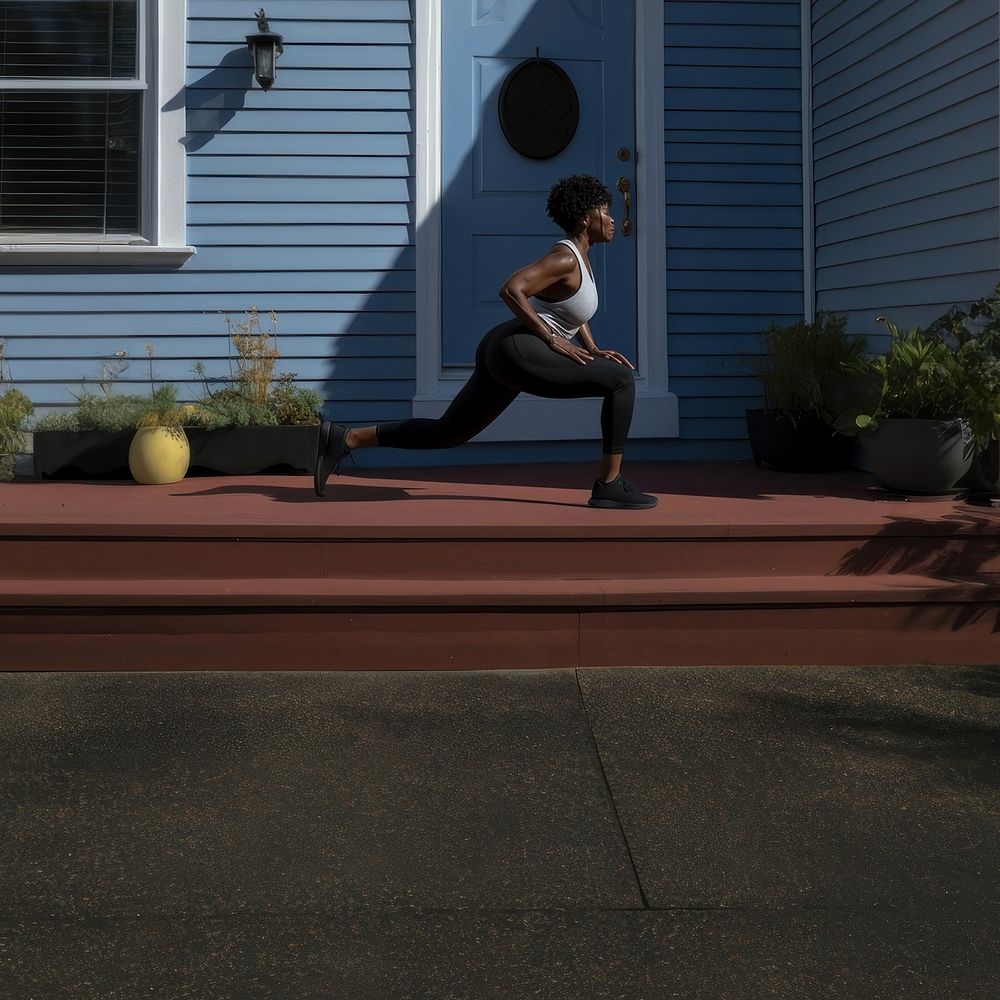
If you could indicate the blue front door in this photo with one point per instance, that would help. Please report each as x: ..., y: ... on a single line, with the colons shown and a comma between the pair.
x: 493, y: 209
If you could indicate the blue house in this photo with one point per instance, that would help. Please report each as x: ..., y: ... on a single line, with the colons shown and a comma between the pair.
x: 778, y: 158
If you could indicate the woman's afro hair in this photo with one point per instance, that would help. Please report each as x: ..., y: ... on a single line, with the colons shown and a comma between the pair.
x: 573, y: 197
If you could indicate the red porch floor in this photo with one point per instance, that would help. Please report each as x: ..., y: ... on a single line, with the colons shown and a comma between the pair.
x: 505, y: 566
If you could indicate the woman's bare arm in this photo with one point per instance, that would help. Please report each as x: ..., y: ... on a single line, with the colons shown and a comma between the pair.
x: 543, y: 275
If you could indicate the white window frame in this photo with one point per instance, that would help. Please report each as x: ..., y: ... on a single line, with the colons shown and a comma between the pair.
x: 163, y: 241
x: 530, y: 418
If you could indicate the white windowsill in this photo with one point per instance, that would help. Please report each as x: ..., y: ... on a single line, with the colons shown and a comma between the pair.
x: 532, y: 418
x: 94, y: 253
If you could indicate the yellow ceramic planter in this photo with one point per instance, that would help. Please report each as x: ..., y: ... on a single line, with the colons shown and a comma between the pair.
x: 159, y: 455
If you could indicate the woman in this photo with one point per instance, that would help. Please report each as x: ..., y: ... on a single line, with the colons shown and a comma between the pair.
x: 552, y: 301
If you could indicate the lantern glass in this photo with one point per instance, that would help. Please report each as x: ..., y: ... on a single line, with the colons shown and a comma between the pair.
x: 264, y: 58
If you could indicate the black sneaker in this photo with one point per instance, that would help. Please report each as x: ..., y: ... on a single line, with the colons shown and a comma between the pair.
x: 619, y: 493
x: 331, y: 449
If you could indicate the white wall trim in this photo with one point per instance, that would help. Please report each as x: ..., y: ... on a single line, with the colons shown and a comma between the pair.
x: 808, y: 193
x: 531, y: 418
x: 427, y: 208
x: 168, y: 213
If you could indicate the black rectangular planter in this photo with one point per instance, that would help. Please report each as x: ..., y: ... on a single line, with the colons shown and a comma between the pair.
x: 238, y: 451
x: 82, y: 454
x: 247, y: 451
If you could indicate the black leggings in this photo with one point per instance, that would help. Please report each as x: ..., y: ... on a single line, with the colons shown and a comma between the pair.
x: 510, y: 360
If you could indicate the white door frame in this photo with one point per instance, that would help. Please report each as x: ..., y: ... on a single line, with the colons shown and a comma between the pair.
x: 530, y: 418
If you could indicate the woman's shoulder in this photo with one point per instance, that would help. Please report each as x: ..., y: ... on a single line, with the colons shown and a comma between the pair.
x: 562, y: 252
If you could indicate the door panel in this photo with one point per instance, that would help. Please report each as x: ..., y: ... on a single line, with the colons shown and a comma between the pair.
x: 493, y: 210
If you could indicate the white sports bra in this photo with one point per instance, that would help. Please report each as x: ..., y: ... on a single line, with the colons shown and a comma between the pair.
x: 566, y: 317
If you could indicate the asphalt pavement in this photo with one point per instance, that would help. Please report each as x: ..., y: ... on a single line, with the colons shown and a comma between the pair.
x: 633, y: 833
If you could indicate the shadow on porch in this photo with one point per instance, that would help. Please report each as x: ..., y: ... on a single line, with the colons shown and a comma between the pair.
x: 503, y: 566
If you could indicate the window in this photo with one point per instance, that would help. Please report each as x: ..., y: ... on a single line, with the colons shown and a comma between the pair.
x: 88, y: 161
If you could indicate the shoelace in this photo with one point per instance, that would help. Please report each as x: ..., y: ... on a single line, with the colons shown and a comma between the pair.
x: 346, y: 454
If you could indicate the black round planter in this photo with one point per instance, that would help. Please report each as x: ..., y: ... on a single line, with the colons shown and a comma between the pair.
x: 803, y: 443
x: 986, y: 467
x: 920, y: 456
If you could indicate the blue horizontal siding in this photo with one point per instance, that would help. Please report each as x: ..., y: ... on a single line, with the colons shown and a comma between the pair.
x: 732, y: 238
x: 299, y: 32
x: 205, y: 323
x: 179, y: 371
x: 905, y: 156
x: 193, y: 348
x: 205, y: 83
x: 306, y: 10
x: 305, y: 234
x: 262, y: 283
x: 226, y: 301
x: 277, y: 121
x: 52, y: 395
x: 943, y: 237
x: 321, y: 144
x: 708, y: 55
x: 733, y: 153
x: 155, y: 325
x: 770, y: 155
x: 209, y: 55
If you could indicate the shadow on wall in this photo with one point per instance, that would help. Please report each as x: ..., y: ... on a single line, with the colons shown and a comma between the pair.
x: 536, y: 31
x: 222, y: 90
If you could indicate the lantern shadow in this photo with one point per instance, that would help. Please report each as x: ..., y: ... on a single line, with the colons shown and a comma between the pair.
x: 214, y: 100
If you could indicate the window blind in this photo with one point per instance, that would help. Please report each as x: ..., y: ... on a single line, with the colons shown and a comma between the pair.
x: 68, y: 38
x: 69, y: 158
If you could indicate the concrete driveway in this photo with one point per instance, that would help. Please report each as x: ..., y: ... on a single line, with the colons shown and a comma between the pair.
x: 625, y: 833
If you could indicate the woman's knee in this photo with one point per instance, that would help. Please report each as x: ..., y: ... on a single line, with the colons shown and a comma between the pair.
x: 624, y: 380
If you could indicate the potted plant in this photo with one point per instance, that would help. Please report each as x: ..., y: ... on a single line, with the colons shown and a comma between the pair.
x: 802, y: 371
x: 15, y: 408
x: 254, y: 421
x: 912, y: 421
x: 159, y: 452
x: 976, y: 334
x: 92, y: 440
x: 247, y: 423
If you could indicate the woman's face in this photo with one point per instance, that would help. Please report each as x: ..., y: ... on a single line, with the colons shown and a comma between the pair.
x: 600, y: 227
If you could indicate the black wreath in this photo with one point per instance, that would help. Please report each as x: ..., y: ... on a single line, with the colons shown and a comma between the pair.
x: 539, y: 109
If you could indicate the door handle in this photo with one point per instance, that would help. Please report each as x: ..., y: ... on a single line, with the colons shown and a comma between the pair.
x: 625, y: 186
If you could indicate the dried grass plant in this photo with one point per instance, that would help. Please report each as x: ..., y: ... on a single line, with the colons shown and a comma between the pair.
x: 256, y: 354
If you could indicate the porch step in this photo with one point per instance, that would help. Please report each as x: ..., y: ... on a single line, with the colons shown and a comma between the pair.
x: 702, y: 551
x: 435, y: 594
x: 497, y: 568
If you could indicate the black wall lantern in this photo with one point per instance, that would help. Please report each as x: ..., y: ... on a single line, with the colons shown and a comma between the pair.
x: 266, y: 47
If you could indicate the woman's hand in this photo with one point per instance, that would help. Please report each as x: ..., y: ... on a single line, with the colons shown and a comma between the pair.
x: 567, y: 348
x: 614, y: 356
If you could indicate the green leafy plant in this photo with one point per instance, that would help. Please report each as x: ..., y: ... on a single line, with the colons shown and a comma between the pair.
x: 975, y: 333
x: 803, y: 368
x: 920, y: 376
x: 292, y: 404
x: 163, y: 410
x: 15, y: 408
x: 108, y: 413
